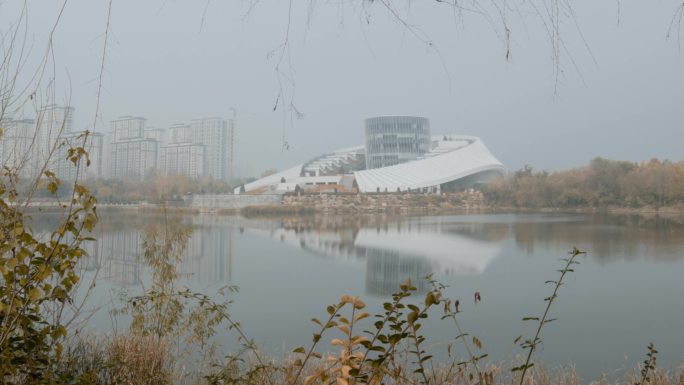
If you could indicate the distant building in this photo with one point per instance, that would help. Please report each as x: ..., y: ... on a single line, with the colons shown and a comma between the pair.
x: 16, y: 144
x: 202, y: 148
x: 133, y: 159
x: 215, y: 134
x: 180, y: 133
x: 392, y: 140
x: 30, y: 146
x: 158, y: 134
x: 131, y: 154
x: 128, y: 127
x: 52, y: 122
x: 453, y: 163
x: 183, y: 158
x: 65, y: 168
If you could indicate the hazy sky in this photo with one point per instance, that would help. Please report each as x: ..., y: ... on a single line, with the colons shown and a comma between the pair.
x: 166, y: 63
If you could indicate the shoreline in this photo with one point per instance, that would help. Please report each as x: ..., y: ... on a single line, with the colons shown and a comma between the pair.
x: 401, y: 210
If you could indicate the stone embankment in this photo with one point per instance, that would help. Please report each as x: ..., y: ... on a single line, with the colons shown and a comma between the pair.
x: 230, y: 202
x: 407, y: 203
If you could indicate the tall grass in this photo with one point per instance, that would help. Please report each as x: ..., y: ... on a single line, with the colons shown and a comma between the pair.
x: 130, y: 359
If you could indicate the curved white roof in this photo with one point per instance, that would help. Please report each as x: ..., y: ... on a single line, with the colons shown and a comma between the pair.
x: 272, y: 179
x: 450, y: 160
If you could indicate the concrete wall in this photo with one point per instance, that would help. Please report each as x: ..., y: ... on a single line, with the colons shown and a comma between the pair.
x: 229, y: 201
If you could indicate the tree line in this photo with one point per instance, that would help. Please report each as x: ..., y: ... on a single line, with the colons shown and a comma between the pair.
x: 602, y: 183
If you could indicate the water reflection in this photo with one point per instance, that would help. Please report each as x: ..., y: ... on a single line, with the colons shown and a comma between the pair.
x: 607, y: 238
x: 293, y: 265
x: 395, y: 251
x: 392, y: 249
x: 117, y: 251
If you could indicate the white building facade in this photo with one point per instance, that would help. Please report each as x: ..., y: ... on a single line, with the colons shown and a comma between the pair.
x: 453, y: 163
x: 130, y: 152
x: 52, y: 123
x: 183, y: 158
x: 31, y: 146
x: 16, y: 144
x: 216, y: 135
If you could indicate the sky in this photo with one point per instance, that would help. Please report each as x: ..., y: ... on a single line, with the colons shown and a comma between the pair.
x: 619, y: 93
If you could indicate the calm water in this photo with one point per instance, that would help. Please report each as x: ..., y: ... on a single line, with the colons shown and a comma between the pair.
x: 627, y: 292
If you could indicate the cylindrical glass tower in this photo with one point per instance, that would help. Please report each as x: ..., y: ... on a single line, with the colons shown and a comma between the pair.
x: 392, y: 140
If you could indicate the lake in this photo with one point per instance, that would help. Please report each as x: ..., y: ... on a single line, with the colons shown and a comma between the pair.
x: 628, y: 290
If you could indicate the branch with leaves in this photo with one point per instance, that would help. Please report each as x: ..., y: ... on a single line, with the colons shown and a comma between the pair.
x: 531, y: 344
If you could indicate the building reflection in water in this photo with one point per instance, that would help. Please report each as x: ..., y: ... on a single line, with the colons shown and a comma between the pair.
x: 390, y: 250
x: 393, y: 253
x: 387, y: 269
x: 209, y: 258
x: 118, y: 254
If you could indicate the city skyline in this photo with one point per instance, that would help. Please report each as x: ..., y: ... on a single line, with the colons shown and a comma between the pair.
x: 129, y: 149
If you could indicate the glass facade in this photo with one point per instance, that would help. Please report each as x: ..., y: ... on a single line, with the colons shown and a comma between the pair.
x: 393, y: 140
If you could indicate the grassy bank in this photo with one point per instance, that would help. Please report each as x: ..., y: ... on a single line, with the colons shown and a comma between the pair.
x: 134, y: 359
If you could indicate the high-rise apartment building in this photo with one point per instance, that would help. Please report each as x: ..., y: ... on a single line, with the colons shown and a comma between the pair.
x: 52, y: 122
x: 31, y: 146
x: 128, y: 127
x: 158, y: 134
x: 65, y: 168
x: 16, y: 144
x: 180, y: 133
x: 183, y: 158
x: 215, y: 134
x: 133, y: 159
x: 131, y: 154
x: 199, y: 149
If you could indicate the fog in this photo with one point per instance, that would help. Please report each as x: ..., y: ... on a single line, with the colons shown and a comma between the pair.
x: 618, y: 96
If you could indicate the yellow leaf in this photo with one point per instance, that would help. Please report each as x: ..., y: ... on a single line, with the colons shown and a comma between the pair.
x: 361, y: 316
x: 412, y: 317
x: 347, y: 299
x: 34, y: 294
x: 43, y: 273
x: 359, y: 339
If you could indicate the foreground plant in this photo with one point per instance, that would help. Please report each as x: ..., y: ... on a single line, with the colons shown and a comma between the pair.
x: 531, y: 344
x: 186, y: 320
x: 38, y: 274
x: 128, y: 359
x: 393, y: 351
x: 649, y: 365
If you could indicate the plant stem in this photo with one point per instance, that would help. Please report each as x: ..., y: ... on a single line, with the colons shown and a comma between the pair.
x: 533, y: 343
